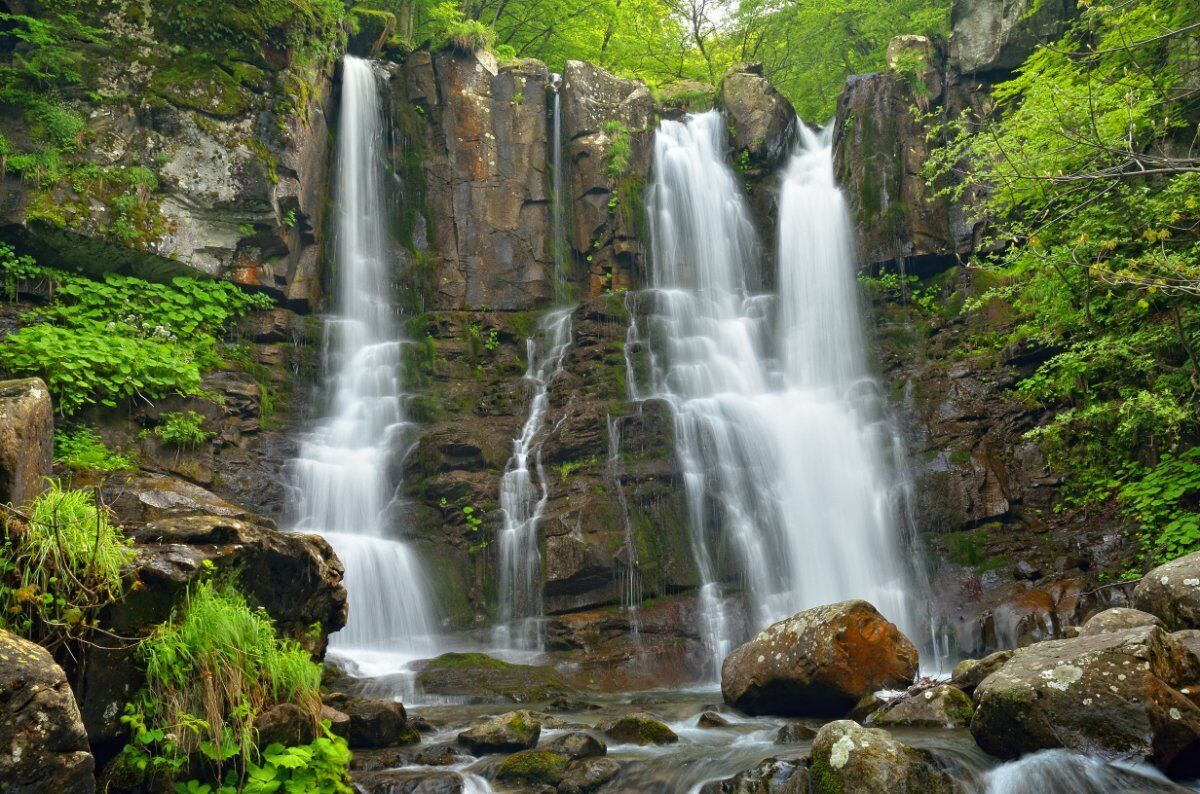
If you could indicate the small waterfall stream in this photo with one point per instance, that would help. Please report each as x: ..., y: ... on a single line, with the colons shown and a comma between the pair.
x: 342, y: 477
x: 784, y: 465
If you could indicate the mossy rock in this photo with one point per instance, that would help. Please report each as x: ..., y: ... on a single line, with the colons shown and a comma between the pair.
x: 533, y: 767
x: 480, y: 676
x: 516, y: 730
x: 846, y: 757
x: 640, y: 729
x: 373, y: 27
x: 942, y: 706
x: 194, y: 84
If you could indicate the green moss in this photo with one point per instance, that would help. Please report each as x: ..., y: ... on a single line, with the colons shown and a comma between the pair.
x: 195, y: 83
x: 533, y: 767
x: 455, y: 661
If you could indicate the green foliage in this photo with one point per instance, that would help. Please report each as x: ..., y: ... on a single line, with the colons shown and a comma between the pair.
x: 210, y: 671
x: 60, y: 564
x: 616, y: 157
x: 1165, y: 501
x: 103, y: 341
x: 449, y: 26
x: 81, y: 449
x: 183, y: 429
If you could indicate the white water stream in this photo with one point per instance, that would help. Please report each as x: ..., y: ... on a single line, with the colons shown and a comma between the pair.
x: 342, y: 475
x: 785, y: 466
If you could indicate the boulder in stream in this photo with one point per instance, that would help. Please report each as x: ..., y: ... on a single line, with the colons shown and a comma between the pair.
x: 576, y: 745
x: 533, y: 768
x: 639, y: 728
x: 478, y: 675
x: 772, y: 776
x: 969, y: 672
x: 846, y: 757
x: 587, y: 775
x: 505, y: 733
x: 819, y: 662
x: 941, y: 706
x: 1172, y: 592
x: 1114, y: 694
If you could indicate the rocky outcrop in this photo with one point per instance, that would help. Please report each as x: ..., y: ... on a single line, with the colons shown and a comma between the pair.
x: 762, y: 122
x: 849, y: 757
x: 818, y: 662
x: 479, y: 137
x: 296, y: 578
x: 1172, y: 593
x: 989, y: 36
x: 26, y: 439
x: 208, y: 161
x: 1116, y: 694
x: 43, y: 745
x: 608, y: 130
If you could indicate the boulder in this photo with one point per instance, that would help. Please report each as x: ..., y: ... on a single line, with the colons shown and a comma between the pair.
x: 587, y: 775
x: 286, y: 724
x: 43, y: 744
x: 374, y: 723
x: 1117, y: 619
x: 762, y: 122
x: 772, y: 776
x: 478, y: 675
x: 26, y: 439
x: 711, y: 719
x: 819, y: 662
x: 848, y: 757
x: 793, y: 733
x: 639, y: 728
x: 1172, y: 592
x: 941, y: 706
x: 576, y: 745
x: 1113, y: 694
x: 989, y: 36
x: 532, y: 768
x: 409, y: 781
x: 505, y: 733
x: 969, y: 672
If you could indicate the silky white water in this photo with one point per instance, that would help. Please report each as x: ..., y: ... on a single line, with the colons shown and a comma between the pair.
x: 789, y: 491
x: 342, y: 481
x: 523, y: 494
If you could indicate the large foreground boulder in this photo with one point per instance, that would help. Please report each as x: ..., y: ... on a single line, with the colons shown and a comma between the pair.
x: 846, y: 757
x: 819, y: 662
x: 43, y: 746
x: 1114, y: 694
x: 1172, y: 593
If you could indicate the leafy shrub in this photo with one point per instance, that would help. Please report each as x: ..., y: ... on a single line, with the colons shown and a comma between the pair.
x: 1165, y: 501
x: 183, y: 429
x: 319, y: 767
x: 62, y: 561
x: 119, y: 337
x: 210, y: 671
x: 451, y: 27
x: 81, y: 449
x: 616, y: 159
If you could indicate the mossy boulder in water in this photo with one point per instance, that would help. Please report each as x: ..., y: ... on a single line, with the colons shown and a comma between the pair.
x: 478, y: 675
x: 941, y: 706
x: 846, y: 757
x: 641, y: 729
x: 970, y: 672
x: 1116, y: 694
x: 772, y: 775
x: 576, y: 745
x: 505, y: 733
x: 533, y: 767
x: 587, y: 775
x: 819, y: 662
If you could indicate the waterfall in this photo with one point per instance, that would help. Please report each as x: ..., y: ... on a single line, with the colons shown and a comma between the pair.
x: 630, y: 580
x: 784, y: 464
x: 523, y: 494
x: 342, y: 475
x: 558, y: 205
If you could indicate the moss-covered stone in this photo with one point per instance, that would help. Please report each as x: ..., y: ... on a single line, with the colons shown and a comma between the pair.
x: 480, y: 676
x: 372, y: 28
x: 640, y: 729
x: 533, y: 767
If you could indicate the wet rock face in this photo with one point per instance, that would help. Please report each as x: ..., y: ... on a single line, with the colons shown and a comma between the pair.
x: 1116, y: 694
x: 296, y: 578
x: 848, y: 757
x: 43, y: 744
x: 608, y: 133
x: 484, y: 174
x: 1172, y: 593
x: 819, y: 662
x: 26, y: 439
x: 998, y: 35
x: 761, y: 120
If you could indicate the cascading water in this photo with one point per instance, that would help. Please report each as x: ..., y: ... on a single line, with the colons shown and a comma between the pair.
x: 629, y: 583
x: 341, y: 475
x: 783, y: 465
x: 523, y: 494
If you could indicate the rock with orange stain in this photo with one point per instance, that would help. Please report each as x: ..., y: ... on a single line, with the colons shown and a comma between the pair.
x: 819, y: 662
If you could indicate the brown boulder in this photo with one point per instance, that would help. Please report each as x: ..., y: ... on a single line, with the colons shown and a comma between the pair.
x: 762, y: 122
x: 1172, y: 592
x: 1117, y: 619
x: 43, y: 745
x: 941, y: 706
x: 374, y: 723
x: 26, y: 439
x: 819, y: 662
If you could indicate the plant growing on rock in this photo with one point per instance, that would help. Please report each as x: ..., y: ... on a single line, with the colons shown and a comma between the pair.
x: 184, y: 429
x: 62, y: 561
x: 81, y: 449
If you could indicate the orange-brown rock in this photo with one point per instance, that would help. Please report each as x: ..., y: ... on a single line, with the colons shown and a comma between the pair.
x: 819, y: 662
